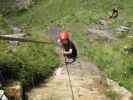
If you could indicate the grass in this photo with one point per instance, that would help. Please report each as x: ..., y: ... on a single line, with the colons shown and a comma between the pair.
x: 5, y: 28
x: 114, y: 62
x: 48, y: 12
x: 112, y: 95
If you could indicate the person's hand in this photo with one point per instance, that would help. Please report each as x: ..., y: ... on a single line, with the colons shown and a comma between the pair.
x: 58, y: 40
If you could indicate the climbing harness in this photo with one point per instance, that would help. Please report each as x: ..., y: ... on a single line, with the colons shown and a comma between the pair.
x: 70, y: 82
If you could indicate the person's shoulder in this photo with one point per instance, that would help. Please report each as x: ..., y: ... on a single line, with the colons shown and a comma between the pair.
x: 71, y: 42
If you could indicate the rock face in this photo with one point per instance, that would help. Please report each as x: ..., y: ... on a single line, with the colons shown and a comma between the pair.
x: 13, y: 5
x: 83, y: 83
x: 23, y: 4
x: 87, y: 82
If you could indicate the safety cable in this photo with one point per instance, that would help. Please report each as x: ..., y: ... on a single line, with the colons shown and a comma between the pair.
x: 23, y: 40
x: 70, y: 82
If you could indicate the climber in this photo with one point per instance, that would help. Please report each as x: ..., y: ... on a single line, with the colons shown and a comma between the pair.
x: 68, y: 48
x: 114, y: 12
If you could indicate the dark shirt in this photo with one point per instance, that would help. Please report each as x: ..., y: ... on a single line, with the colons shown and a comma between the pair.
x: 70, y: 45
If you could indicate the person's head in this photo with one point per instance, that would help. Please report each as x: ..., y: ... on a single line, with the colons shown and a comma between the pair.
x: 64, y: 37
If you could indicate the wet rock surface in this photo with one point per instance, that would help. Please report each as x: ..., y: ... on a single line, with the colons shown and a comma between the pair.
x: 58, y: 87
x: 87, y: 81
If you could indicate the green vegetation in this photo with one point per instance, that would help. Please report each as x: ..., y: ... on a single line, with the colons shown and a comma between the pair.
x: 5, y: 28
x: 112, y: 95
x: 30, y: 63
x: 114, y: 62
x: 5, y: 6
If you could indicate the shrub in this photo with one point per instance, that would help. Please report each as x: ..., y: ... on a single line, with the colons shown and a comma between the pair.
x: 30, y: 63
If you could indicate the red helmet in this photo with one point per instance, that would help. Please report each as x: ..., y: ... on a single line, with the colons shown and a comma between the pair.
x: 63, y: 36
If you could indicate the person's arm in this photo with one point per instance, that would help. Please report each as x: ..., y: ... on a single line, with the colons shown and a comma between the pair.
x: 58, y: 40
x: 67, y: 52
